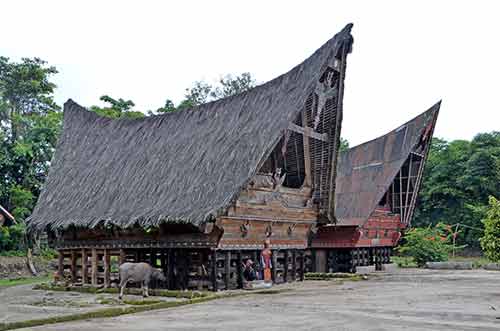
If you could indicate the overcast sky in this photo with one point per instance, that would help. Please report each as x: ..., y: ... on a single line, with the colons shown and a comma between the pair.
x: 405, y: 57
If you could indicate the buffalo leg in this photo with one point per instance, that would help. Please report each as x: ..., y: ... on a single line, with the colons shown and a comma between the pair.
x: 144, y: 287
x: 123, y: 284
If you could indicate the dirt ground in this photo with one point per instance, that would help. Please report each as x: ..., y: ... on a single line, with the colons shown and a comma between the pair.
x: 20, y: 303
x: 12, y: 267
x: 408, y: 299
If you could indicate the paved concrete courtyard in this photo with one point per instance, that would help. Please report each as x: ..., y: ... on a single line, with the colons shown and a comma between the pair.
x: 409, y: 299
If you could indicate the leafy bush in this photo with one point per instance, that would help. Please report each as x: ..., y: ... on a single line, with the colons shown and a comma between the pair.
x: 12, y: 238
x: 490, y: 242
x: 49, y: 253
x: 430, y: 244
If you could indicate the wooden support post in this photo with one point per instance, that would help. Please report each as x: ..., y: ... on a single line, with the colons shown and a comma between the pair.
x: 185, y: 269
x: 73, y: 266
x: 85, y: 267
x: 122, y: 258
x: 152, y: 257
x: 239, y: 269
x: 60, y: 265
x: 163, y: 261
x: 93, y: 271
x: 274, y: 265
x: 307, y: 153
x: 294, y: 265
x: 402, y: 214
x: 313, y: 261
x: 256, y: 259
x: 214, y: 271
x: 393, y: 206
x: 285, y: 267
x: 227, y: 271
x: 170, y: 269
x: 107, y: 268
x: 405, y: 221
x: 302, y: 266
x: 136, y: 256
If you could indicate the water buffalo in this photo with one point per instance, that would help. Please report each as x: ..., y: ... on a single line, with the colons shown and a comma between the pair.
x: 138, y: 272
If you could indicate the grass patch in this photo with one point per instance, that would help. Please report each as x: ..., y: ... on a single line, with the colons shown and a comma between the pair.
x: 22, y: 281
x: 332, y: 276
x: 274, y: 291
x: 117, y: 311
x: 131, y: 291
x: 477, y: 262
x: 404, y: 261
x: 409, y: 262
x: 141, y: 302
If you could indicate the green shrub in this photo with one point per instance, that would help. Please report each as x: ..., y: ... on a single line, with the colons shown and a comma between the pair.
x: 12, y: 238
x: 490, y: 242
x: 430, y: 244
x: 49, y: 253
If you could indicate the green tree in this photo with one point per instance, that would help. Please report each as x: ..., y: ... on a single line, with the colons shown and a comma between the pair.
x: 490, y: 241
x: 344, y: 144
x: 167, y: 108
x: 30, y: 123
x: 458, y: 178
x: 202, y: 92
x: 231, y: 85
x: 117, y: 108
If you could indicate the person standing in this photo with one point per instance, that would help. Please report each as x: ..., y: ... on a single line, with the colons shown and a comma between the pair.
x: 265, y: 261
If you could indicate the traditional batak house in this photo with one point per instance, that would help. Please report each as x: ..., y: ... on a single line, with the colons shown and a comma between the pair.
x: 197, y: 192
x: 376, y: 192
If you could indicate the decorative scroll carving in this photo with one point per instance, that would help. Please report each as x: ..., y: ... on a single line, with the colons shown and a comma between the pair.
x: 325, y: 89
x: 244, y: 228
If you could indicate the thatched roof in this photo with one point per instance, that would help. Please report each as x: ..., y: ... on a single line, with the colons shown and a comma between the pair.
x: 187, y: 166
x: 365, y: 172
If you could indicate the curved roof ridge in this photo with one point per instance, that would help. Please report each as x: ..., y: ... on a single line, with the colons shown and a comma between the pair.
x: 431, y: 109
x: 184, y: 166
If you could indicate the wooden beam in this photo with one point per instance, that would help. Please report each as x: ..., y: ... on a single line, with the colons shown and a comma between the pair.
x: 85, y: 267
x: 416, y: 189
x: 308, y: 132
x: 401, y: 210
x: 227, y: 271
x: 405, y: 221
x: 307, y: 154
x: 93, y: 271
x: 107, y: 268
x: 336, y: 137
